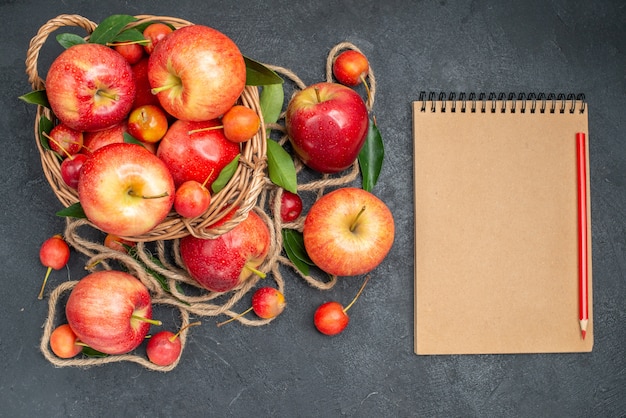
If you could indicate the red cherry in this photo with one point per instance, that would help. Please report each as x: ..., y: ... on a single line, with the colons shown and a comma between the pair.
x: 191, y: 199
x: 54, y: 254
x: 290, y: 206
x: 164, y: 347
x: 350, y: 67
x: 63, y: 342
x: 331, y: 317
x: 70, y: 169
x: 154, y: 33
x: 268, y: 302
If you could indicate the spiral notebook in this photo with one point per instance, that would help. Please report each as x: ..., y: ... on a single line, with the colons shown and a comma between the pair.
x: 496, y: 230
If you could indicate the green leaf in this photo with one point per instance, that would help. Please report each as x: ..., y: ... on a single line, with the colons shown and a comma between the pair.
x: 293, y: 243
x: 73, y: 211
x: 129, y: 139
x: 258, y: 74
x: 45, y: 125
x: 132, y: 251
x: 280, y: 167
x: 38, y: 97
x: 225, y: 175
x: 109, y: 28
x: 70, y: 39
x: 131, y: 35
x: 90, y: 352
x: 371, y: 157
x: 271, y: 100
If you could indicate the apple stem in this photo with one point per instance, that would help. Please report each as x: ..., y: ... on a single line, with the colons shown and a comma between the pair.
x: 219, y: 324
x: 108, y: 95
x: 132, y: 193
x: 157, y: 90
x: 255, y: 271
x: 148, y: 320
x: 357, y: 295
x: 193, y: 324
x: 354, y: 223
x: 43, y: 285
x: 317, y: 95
x: 210, y: 128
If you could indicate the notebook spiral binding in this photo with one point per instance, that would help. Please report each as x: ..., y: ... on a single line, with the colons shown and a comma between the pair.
x: 521, y: 102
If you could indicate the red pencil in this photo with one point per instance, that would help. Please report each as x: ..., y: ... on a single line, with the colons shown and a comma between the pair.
x: 583, y: 268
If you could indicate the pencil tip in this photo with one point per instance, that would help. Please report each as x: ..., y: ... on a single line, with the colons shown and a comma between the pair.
x: 584, y: 333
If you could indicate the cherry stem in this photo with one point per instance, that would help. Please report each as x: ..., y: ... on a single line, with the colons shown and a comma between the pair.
x: 210, y: 128
x: 193, y: 324
x: 158, y: 196
x: 219, y: 324
x: 356, y: 220
x: 148, y: 320
x: 357, y: 295
x: 49, y: 138
x: 255, y: 271
x: 208, y: 177
x: 43, y: 285
x: 367, y: 88
x: 140, y: 42
x: 157, y: 90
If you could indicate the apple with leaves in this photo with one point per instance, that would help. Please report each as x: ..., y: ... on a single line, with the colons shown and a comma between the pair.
x: 110, y: 311
x: 348, y: 232
x: 125, y: 189
x: 221, y: 264
x: 90, y: 87
x: 197, y: 73
x: 327, y: 125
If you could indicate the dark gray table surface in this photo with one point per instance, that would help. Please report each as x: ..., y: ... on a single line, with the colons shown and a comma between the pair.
x: 287, y: 368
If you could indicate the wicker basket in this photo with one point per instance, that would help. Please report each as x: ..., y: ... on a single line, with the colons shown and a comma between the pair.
x: 242, y: 190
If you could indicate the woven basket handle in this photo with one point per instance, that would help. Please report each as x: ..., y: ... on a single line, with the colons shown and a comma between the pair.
x: 38, y: 40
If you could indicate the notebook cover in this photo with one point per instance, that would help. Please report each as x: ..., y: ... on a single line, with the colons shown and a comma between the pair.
x: 496, y: 247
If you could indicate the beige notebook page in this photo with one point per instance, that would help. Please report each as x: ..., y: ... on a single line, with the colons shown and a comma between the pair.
x: 496, y: 244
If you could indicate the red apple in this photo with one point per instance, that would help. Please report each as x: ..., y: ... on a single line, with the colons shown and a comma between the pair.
x: 110, y: 311
x: 327, y: 126
x: 90, y: 87
x: 125, y: 190
x: 222, y: 263
x: 112, y: 135
x: 196, y: 151
x: 197, y: 72
x: 348, y: 232
x: 144, y: 94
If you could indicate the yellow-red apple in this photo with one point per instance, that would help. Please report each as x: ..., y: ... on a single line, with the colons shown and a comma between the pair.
x: 125, y: 189
x: 110, y: 311
x: 197, y: 72
x: 348, y: 232
x: 90, y: 87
